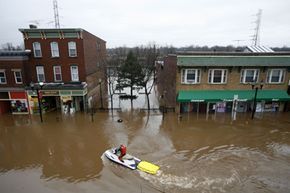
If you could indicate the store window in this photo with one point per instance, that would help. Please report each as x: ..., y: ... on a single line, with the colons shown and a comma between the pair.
x: 40, y: 74
x: 190, y: 76
x: 37, y: 49
x: 2, y: 77
x: 72, y: 49
x: 54, y: 49
x: 18, y: 76
x: 249, y: 75
x: 275, y: 76
x: 19, y: 106
x: 74, y: 73
x: 57, y: 73
x: 217, y: 76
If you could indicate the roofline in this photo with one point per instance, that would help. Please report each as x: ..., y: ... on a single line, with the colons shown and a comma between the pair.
x: 232, y: 53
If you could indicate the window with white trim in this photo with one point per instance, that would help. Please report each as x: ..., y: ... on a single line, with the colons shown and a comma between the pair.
x: 2, y: 77
x: 249, y: 75
x: 37, y: 49
x: 18, y: 76
x: 57, y: 73
x: 275, y: 76
x: 190, y: 76
x: 74, y: 73
x: 217, y: 76
x: 72, y: 49
x: 54, y: 49
x: 40, y: 73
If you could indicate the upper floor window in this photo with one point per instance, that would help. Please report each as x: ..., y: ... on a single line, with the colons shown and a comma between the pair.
x: 190, y: 76
x: 18, y: 76
x: 275, y: 76
x: 37, y: 49
x: 40, y: 74
x: 54, y: 49
x: 2, y: 77
x: 74, y: 73
x: 57, y: 73
x: 72, y: 49
x: 249, y: 75
x: 217, y: 76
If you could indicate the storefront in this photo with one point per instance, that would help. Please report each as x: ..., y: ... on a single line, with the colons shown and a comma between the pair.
x: 221, y: 101
x: 67, y: 101
x: 14, y: 102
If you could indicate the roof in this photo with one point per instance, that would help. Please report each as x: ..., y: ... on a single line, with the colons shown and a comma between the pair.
x: 55, y: 33
x: 259, y: 49
x: 233, y: 60
x: 228, y: 95
x: 14, y: 55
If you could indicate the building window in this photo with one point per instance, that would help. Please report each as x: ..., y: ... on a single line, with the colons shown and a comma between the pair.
x: 249, y: 75
x: 275, y: 76
x: 57, y: 73
x: 74, y: 73
x: 40, y: 74
x: 18, y: 77
x: 2, y: 77
x: 37, y: 49
x: 54, y: 49
x: 190, y: 76
x: 217, y: 76
x: 72, y: 49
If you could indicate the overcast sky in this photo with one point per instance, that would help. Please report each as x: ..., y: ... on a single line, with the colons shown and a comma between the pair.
x: 165, y: 22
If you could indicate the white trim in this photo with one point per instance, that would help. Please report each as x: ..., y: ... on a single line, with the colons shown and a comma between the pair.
x: 243, y: 75
x: 34, y: 45
x: 281, y: 76
x: 74, y: 79
x: 224, y: 75
x: 3, y: 70
x: 37, y: 73
x: 54, y: 50
x: 74, y: 48
x: 16, y: 78
x: 184, y: 73
x: 54, y: 73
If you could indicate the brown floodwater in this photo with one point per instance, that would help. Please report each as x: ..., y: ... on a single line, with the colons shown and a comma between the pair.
x: 196, y: 153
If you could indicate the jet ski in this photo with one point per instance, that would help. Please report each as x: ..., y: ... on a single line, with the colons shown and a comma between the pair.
x: 131, y: 162
x: 128, y: 161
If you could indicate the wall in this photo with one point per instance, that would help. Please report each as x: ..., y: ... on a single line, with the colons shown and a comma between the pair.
x: 233, y: 82
x: 48, y: 62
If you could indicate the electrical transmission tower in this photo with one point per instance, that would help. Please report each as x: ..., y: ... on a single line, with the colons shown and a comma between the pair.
x: 256, y: 36
x: 56, y: 17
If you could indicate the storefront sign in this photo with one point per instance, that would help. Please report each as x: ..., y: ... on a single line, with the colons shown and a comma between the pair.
x: 50, y: 92
x: 66, y: 98
x: 197, y: 101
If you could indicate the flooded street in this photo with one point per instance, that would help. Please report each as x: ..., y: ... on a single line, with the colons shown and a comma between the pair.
x: 196, y: 153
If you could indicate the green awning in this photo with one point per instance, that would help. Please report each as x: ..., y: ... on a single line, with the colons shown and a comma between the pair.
x: 228, y: 95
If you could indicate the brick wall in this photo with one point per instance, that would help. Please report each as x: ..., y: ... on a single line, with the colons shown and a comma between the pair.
x: 233, y: 82
x: 48, y: 62
x: 8, y: 66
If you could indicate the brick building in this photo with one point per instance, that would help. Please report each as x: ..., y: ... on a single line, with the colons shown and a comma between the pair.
x: 204, y: 82
x: 70, y: 62
x: 13, y: 97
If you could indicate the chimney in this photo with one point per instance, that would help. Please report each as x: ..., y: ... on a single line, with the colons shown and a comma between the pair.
x: 31, y: 26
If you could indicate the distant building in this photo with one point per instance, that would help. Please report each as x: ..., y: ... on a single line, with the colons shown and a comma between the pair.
x: 205, y: 82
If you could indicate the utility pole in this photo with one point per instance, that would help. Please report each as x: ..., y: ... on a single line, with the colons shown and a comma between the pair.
x: 56, y: 16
